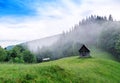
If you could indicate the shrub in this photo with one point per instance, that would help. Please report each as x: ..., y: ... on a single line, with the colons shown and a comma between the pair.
x: 28, y: 57
x: 3, y: 54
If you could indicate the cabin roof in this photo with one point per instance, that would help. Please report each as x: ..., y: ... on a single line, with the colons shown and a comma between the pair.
x: 84, y: 49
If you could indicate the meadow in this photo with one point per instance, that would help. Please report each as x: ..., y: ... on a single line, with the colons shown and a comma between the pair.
x: 66, y: 70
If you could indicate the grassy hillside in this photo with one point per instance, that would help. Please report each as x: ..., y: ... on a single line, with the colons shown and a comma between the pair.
x: 99, y: 53
x: 67, y: 70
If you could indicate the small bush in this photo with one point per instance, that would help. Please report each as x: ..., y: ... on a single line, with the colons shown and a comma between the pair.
x: 28, y: 57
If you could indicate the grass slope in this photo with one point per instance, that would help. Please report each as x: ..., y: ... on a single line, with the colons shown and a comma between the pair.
x: 98, y: 53
x: 67, y: 70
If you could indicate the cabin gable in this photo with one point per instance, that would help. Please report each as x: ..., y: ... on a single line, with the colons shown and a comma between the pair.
x: 84, y: 51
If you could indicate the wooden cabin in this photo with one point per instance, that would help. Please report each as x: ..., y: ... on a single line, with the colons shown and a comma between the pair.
x: 84, y: 51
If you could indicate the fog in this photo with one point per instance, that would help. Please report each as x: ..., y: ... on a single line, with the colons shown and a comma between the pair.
x: 34, y: 45
x: 87, y: 31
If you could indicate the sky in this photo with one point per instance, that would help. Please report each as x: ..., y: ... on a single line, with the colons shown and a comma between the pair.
x: 25, y: 20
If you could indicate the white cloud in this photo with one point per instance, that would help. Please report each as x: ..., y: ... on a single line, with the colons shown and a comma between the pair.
x: 103, y: 7
x: 55, y: 18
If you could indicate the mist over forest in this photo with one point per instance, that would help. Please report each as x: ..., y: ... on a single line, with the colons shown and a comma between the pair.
x: 91, y: 31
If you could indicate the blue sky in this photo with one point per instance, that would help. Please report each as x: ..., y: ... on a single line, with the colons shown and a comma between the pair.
x: 34, y: 19
x: 15, y: 8
x: 22, y: 8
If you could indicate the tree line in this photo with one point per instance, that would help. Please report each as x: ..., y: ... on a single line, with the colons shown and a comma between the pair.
x: 106, y: 36
x: 17, y: 54
x: 98, y: 31
x: 110, y: 41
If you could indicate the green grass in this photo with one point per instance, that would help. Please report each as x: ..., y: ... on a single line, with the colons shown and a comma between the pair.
x: 98, y: 53
x: 67, y: 70
x: 101, y: 68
